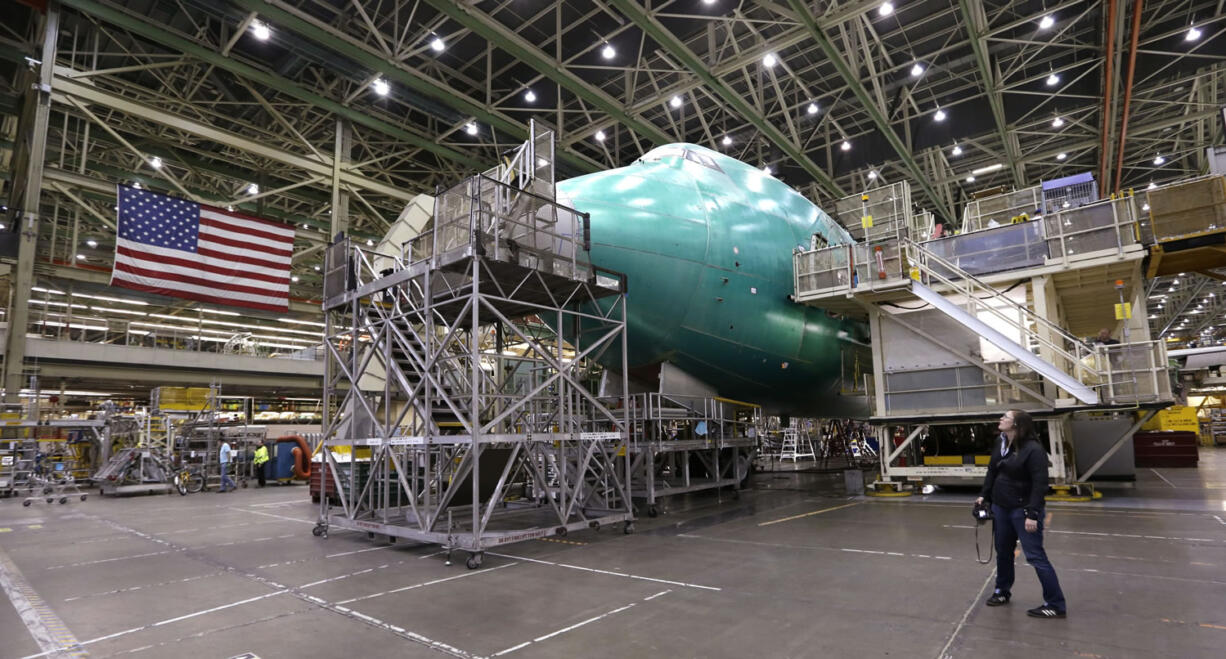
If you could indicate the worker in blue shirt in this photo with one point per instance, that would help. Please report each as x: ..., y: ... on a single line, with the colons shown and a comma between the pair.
x: 225, y: 456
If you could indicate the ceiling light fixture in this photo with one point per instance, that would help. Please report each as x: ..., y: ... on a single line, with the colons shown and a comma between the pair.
x: 885, y: 9
x: 769, y: 61
x: 437, y: 45
x: 1053, y: 80
x: 1192, y: 35
x: 1061, y: 156
x: 155, y: 162
x: 80, y: 257
x: 91, y: 242
x: 530, y: 96
x: 872, y: 174
x: 675, y: 101
x: 1057, y: 122
x: 727, y: 141
x: 812, y: 109
x: 917, y: 70
x: 607, y: 52
x: 470, y: 128
x: 380, y: 86
x: 766, y: 169
x: 600, y: 136
x: 1046, y: 22
x: 254, y: 188
x: 846, y: 146
x: 260, y: 31
x: 939, y: 116
x: 1151, y: 185
x: 1158, y: 159
x: 989, y: 169
x: 294, y: 278
x: 957, y: 150
x: 970, y: 179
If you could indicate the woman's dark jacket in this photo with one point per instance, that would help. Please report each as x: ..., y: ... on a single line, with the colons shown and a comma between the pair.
x: 1018, y: 479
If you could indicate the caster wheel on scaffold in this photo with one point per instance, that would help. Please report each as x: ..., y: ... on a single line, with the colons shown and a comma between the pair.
x: 628, y: 528
x: 474, y: 560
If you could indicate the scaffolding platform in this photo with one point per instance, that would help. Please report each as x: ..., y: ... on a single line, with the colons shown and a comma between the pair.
x: 458, y: 381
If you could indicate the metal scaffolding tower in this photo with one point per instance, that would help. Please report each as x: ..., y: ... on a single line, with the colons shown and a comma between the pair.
x: 457, y: 409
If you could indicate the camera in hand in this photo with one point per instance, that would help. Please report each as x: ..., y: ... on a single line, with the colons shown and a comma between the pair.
x: 982, y: 512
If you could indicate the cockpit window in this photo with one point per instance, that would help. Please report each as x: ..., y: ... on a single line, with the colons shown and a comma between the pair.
x: 702, y: 159
x: 663, y: 152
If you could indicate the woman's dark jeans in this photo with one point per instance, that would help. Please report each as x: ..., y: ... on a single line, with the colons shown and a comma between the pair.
x: 1010, y: 526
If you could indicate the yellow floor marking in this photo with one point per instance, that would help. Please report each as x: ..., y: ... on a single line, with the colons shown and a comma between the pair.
x: 5, y: 530
x: 565, y: 542
x: 1205, y: 624
x: 810, y: 514
x: 35, y: 526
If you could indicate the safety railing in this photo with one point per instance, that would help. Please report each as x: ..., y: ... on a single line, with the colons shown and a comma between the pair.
x: 879, y: 265
x: 1091, y: 229
x: 56, y: 326
x: 1134, y: 373
x: 1003, y: 209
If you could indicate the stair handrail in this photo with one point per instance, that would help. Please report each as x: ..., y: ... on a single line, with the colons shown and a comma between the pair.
x: 919, y: 258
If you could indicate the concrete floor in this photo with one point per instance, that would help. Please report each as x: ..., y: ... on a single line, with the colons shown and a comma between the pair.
x: 792, y: 569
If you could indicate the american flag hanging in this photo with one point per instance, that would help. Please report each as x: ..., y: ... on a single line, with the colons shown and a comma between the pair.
x: 183, y: 249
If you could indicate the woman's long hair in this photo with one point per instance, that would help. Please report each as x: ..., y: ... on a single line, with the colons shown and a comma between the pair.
x: 1023, y: 425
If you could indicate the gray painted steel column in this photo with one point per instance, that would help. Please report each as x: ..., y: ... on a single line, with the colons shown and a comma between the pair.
x: 340, y: 160
x: 23, y: 277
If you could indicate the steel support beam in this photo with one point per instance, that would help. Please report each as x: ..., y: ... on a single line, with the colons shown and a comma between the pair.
x: 861, y: 93
x: 162, y: 35
x: 290, y: 18
x: 28, y: 212
x: 675, y: 47
x: 340, y: 196
x: 505, y: 38
x: 977, y: 26
x: 92, y: 94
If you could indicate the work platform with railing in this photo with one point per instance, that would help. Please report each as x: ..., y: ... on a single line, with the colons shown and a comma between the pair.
x: 482, y: 337
x: 966, y: 326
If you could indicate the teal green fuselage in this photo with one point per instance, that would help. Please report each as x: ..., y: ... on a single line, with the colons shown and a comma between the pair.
x: 706, y: 243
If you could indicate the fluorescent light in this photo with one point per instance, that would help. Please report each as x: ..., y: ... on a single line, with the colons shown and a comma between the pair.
x: 769, y: 61
x: 80, y: 257
x: 989, y: 169
x: 381, y: 87
x: 1057, y: 122
x: 957, y: 150
x: 1158, y: 160
x: 1046, y: 22
x: 607, y: 52
x: 885, y: 9
x: 970, y: 179
x: 812, y: 109
x: 872, y: 174
x: 294, y: 278
x: 114, y: 310
x: 260, y: 31
x: 91, y: 242
x: 470, y: 128
x: 1192, y: 35
x: 1151, y: 186
x: 254, y: 188
x: 940, y: 115
x: 727, y: 141
x: 846, y: 146
x: 530, y: 96
x: 675, y: 101
x: 1144, y: 207
x: 317, y: 268
x: 1053, y: 80
x: 600, y: 136
x: 155, y: 162
x: 437, y: 45
x: 301, y: 322
x: 917, y: 70
x: 1061, y: 156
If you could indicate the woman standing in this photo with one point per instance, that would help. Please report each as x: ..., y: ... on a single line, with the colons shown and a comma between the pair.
x: 1015, y: 486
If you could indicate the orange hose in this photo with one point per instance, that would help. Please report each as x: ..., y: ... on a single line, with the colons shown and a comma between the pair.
x: 302, y: 455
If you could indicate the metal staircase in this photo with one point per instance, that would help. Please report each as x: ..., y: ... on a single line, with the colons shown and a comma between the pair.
x: 1063, y: 359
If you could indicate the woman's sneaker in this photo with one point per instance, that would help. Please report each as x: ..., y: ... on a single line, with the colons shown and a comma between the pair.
x: 1045, y: 611
x: 998, y: 599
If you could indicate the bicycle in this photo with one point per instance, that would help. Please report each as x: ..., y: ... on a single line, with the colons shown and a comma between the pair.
x: 187, y: 480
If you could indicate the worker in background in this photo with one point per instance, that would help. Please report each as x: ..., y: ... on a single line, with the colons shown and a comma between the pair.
x: 225, y: 455
x: 1015, y: 486
x: 260, y: 459
x: 1104, y: 337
